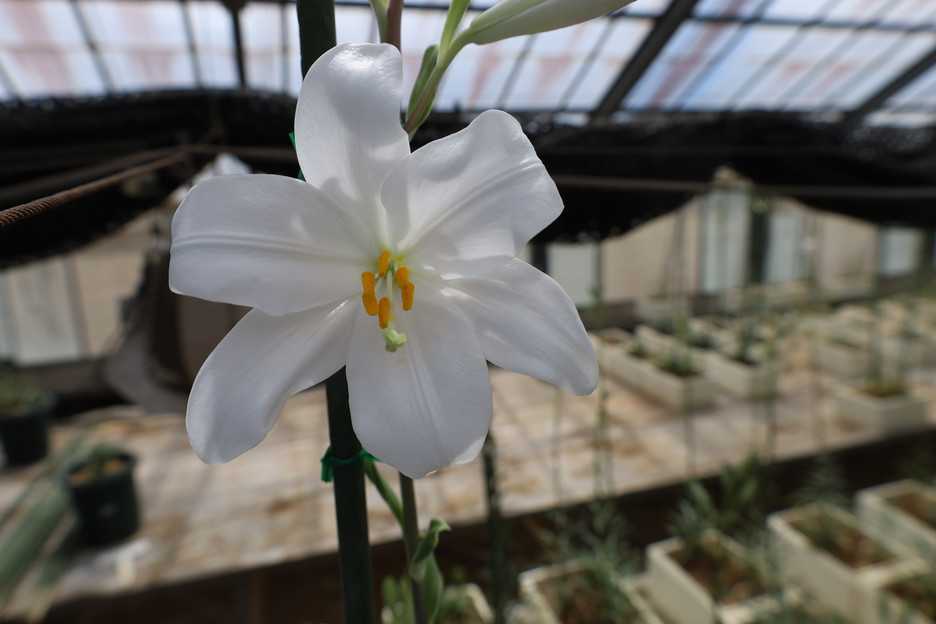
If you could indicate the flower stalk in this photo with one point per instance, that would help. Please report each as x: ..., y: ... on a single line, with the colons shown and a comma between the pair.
x: 411, y: 540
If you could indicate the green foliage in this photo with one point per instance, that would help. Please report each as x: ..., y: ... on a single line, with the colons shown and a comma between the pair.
x: 825, y: 483
x: 885, y: 388
x: 454, y: 605
x: 638, y: 350
x: 679, y: 364
x: 429, y: 60
x: 741, y: 492
x: 425, y: 548
x: 19, y: 395
x: 919, y: 464
x: 745, y: 340
x: 598, y: 544
x: 915, y: 595
x: 422, y: 567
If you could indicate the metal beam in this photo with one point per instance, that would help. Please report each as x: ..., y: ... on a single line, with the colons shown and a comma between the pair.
x: 234, y: 8
x: 104, y: 75
x: 190, y: 41
x: 892, y: 88
x: 664, y: 29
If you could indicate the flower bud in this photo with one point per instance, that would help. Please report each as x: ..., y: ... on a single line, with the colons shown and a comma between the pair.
x: 512, y: 18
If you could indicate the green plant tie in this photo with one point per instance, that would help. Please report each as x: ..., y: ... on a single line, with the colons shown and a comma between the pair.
x: 329, y: 461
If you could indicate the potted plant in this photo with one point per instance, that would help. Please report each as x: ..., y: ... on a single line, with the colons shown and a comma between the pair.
x: 659, y: 337
x: 885, y: 405
x: 905, y: 511
x: 838, y: 563
x: 677, y: 382
x: 708, y: 577
x: 701, y: 575
x: 743, y: 373
x: 628, y: 363
x: 460, y: 603
x: 843, y: 357
x: 25, y: 410
x: 910, y: 600
x: 585, y: 591
x: 104, y: 495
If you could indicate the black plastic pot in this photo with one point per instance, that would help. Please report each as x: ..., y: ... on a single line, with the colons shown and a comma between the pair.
x: 25, y: 437
x: 107, y: 506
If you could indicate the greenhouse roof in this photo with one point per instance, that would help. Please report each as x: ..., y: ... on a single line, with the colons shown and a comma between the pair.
x: 857, y: 59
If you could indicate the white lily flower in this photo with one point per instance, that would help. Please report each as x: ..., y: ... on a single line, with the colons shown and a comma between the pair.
x: 400, y: 266
x: 512, y: 18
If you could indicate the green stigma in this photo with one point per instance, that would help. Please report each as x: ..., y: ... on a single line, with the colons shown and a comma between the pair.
x: 393, y: 339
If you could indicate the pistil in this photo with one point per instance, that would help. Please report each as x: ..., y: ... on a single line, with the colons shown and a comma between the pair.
x: 391, y: 273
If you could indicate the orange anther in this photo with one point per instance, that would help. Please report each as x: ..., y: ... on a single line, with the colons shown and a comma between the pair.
x: 370, y: 303
x: 409, y: 290
x: 402, y: 276
x: 383, y: 263
x: 383, y: 313
x: 368, y: 282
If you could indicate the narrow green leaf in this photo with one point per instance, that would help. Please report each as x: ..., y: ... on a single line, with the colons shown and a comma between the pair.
x: 429, y: 59
x: 455, y: 15
x: 385, y: 491
x: 425, y: 548
x: 433, y: 587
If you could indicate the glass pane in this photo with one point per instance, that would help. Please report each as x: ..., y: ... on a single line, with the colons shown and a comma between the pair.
x: 911, y: 13
x: 262, y: 25
x: 618, y: 48
x: 801, y: 10
x: 143, y: 43
x: 861, y: 52
x: 858, y: 10
x: 719, y: 87
x: 809, y: 50
x: 553, y: 62
x: 43, y: 51
x: 476, y: 78
x: 730, y: 8
x: 886, y: 65
x: 920, y: 93
x: 213, y: 32
x: 693, y: 46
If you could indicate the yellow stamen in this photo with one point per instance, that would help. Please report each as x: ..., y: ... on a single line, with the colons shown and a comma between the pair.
x: 383, y: 263
x: 408, y: 290
x: 383, y: 313
x: 402, y: 276
x: 370, y: 303
x: 368, y: 282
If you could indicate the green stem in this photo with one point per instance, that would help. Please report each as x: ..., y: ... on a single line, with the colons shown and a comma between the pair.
x: 385, y: 491
x: 411, y: 540
x: 316, y: 36
x: 427, y: 97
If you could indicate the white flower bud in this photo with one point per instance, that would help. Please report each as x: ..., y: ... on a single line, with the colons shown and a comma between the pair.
x: 512, y: 18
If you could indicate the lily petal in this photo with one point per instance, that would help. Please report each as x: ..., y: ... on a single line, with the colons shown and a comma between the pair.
x: 241, y: 387
x: 524, y: 321
x: 348, y: 131
x: 263, y: 241
x: 428, y: 404
x: 476, y: 193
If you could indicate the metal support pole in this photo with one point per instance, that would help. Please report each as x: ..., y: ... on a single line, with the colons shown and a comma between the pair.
x: 316, y: 35
x: 234, y: 8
